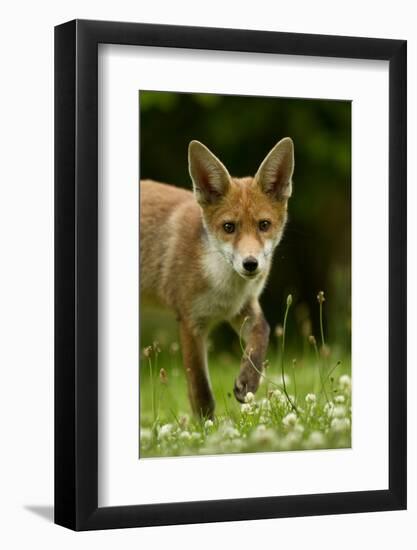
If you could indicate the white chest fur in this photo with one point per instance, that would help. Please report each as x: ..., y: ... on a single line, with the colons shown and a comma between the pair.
x: 228, y: 291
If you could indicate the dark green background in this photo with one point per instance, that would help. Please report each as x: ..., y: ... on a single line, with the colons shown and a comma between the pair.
x: 315, y: 253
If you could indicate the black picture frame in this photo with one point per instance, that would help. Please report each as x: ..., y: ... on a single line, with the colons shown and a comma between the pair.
x: 76, y: 272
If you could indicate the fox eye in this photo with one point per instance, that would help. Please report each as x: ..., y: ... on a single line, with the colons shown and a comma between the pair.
x: 264, y: 225
x: 229, y: 227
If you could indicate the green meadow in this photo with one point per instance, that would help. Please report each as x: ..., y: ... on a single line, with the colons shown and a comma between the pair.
x: 303, y: 402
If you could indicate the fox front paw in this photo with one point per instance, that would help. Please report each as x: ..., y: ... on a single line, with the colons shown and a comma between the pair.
x: 243, y: 385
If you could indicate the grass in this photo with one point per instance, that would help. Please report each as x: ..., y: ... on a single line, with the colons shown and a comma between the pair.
x: 302, y: 403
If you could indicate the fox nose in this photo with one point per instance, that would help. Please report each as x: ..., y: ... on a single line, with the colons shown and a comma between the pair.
x: 250, y: 264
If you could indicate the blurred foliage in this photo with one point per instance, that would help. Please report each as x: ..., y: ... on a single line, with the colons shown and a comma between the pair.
x: 315, y: 253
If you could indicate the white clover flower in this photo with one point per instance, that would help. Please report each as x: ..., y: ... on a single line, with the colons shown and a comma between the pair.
x: 275, y: 394
x: 311, y: 398
x: 231, y: 446
x: 184, y: 436
x: 260, y: 429
x: 339, y: 411
x: 208, y: 424
x: 165, y: 431
x: 230, y: 432
x: 299, y: 428
x: 293, y: 437
x: 290, y: 420
x: 195, y: 436
x: 278, y: 397
x: 263, y: 435
x: 265, y: 404
x: 339, y: 399
x: 246, y: 408
x: 226, y: 423
x: 211, y: 444
x: 340, y: 424
x: 249, y: 397
x: 315, y: 440
x: 290, y: 441
x: 345, y: 382
x: 145, y: 436
x: 226, y: 430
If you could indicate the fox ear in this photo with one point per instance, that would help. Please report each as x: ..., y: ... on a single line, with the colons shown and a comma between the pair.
x: 210, y: 178
x: 275, y: 173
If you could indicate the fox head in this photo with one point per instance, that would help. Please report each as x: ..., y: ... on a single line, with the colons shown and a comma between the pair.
x: 244, y: 217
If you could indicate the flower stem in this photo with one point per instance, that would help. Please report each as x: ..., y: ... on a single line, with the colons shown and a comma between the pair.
x: 284, y: 328
x: 152, y: 389
x: 323, y: 348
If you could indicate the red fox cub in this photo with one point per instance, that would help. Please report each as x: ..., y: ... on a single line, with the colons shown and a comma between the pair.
x: 207, y: 254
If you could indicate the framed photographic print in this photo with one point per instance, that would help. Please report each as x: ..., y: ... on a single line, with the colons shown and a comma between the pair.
x: 230, y: 274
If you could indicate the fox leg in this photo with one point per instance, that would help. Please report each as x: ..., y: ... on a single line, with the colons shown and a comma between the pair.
x: 252, y: 326
x: 195, y: 362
